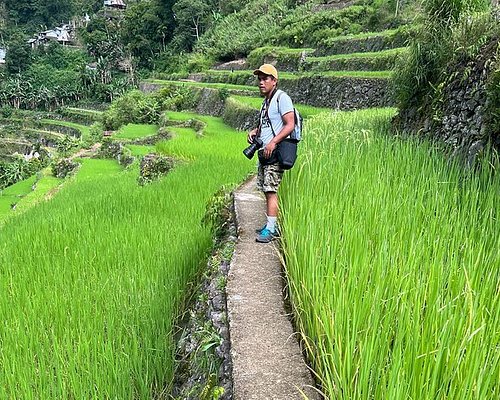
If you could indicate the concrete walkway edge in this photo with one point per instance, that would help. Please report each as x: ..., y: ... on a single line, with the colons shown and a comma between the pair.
x: 266, y: 357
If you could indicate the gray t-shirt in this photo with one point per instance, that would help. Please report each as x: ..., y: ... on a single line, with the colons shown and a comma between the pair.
x: 275, y: 115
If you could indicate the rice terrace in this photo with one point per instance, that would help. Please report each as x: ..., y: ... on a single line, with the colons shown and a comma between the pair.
x: 122, y: 177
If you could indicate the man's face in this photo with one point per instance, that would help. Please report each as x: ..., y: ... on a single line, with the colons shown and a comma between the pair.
x: 267, y: 83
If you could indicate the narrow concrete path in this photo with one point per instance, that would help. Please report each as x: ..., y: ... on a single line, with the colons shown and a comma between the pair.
x: 267, y: 361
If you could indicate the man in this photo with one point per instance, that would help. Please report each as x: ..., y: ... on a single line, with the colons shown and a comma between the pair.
x: 276, y: 122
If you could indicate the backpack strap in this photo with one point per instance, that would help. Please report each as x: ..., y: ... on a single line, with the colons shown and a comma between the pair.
x: 278, y: 94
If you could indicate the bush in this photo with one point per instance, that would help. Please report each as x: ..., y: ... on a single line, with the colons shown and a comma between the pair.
x: 6, y: 111
x: 19, y: 169
x: 64, y: 167
x: 198, y: 62
x: 133, y: 107
x: 445, y: 39
x: 153, y: 166
x: 176, y: 98
x: 96, y: 131
x: 110, y: 149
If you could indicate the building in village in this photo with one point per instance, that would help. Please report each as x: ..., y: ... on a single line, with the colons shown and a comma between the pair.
x: 115, y: 4
x: 62, y: 34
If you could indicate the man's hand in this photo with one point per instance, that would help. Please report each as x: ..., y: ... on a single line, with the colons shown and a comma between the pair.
x: 268, y: 150
x: 251, y: 135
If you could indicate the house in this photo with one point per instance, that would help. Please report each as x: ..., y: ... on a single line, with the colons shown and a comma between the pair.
x: 62, y: 34
x: 2, y: 55
x: 116, y: 4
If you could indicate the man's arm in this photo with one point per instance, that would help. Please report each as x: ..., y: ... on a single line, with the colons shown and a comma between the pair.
x: 288, y: 127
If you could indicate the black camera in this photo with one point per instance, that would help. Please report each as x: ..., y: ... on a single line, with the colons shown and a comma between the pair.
x: 250, y: 150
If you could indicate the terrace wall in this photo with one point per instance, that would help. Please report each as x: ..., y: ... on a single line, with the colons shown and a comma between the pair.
x: 343, y: 93
x: 377, y: 42
x: 462, y: 115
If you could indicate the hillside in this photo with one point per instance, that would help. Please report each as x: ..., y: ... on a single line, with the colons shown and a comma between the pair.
x: 120, y: 153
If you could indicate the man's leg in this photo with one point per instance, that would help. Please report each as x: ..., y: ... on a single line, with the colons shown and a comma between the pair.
x: 272, y: 204
x: 272, y: 210
x: 272, y: 175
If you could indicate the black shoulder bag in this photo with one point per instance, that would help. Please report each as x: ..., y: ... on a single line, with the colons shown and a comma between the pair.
x: 286, y: 150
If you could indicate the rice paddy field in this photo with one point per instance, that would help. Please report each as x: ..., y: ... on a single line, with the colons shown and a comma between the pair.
x: 92, y: 281
x: 392, y: 255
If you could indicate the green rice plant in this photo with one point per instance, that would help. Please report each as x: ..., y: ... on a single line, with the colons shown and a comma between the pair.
x: 11, y: 195
x: 93, y: 280
x: 393, y: 265
x: 136, y: 131
x: 25, y: 194
x: 139, y: 150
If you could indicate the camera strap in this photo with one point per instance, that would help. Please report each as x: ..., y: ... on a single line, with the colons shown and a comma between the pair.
x: 267, y: 105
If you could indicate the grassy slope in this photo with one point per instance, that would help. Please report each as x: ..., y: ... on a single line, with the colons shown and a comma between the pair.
x: 89, y: 296
x: 338, y: 74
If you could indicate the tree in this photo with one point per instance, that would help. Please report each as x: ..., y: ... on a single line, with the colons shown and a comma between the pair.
x: 18, y: 57
x: 140, y: 31
x: 52, y: 12
x: 147, y: 28
x: 191, y: 17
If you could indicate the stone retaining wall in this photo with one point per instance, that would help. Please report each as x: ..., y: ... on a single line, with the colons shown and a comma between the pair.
x: 345, y: 93
x: 462, y: 115
x: 339, y: 92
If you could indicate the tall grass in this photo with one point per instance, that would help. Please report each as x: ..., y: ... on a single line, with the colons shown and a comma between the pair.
x: 92, y: 281
x: 136, y: 131
x: 392, y: 256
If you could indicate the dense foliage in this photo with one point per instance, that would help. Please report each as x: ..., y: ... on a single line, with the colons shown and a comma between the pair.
x: 159, y: 33
x: 451, y: 33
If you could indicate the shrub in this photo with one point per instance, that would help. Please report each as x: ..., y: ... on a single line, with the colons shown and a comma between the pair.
x: 198, y: 62
x: 96, y: 131
x: 153, y: 166
x: 6, y: 111
x: 64, y: 167
x: 110, y: 149
x: 176, y: 98
x: 133, y: 107
x: 446, y: 38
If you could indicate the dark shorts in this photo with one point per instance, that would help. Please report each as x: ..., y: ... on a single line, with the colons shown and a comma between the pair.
x: 269, y: 177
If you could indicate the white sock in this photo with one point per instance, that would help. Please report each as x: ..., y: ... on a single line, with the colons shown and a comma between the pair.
x: 271, y: 223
